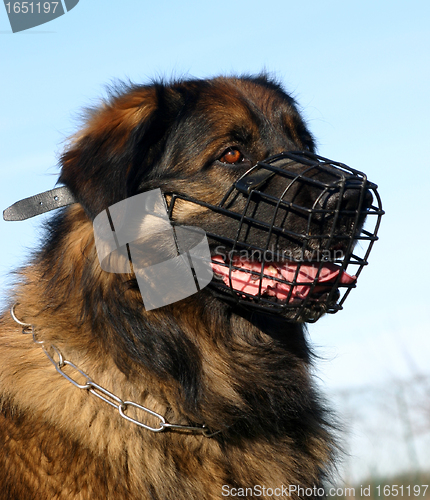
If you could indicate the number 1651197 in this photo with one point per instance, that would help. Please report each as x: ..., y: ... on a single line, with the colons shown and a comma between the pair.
x: 31, y: 7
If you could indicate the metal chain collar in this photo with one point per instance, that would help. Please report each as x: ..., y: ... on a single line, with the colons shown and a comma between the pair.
x: 59, y: 362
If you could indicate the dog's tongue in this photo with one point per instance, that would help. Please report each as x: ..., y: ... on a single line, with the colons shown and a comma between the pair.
x: 249, y: 282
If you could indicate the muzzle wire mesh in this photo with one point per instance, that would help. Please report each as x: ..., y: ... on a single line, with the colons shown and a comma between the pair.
x: 346, y: 208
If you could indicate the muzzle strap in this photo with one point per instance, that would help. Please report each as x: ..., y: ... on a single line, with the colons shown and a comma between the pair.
x: 247, y: 183
x: 39, y: 204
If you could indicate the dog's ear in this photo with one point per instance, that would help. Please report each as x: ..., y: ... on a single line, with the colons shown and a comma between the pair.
x: 119, y: 144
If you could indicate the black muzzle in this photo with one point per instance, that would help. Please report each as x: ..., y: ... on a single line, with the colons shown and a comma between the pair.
x: 284, y: 237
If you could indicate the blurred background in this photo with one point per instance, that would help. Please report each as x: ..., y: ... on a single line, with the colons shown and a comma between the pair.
x: 360, y: 72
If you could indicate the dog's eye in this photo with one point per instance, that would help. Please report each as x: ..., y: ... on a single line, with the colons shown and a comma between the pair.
x: 231, y: 156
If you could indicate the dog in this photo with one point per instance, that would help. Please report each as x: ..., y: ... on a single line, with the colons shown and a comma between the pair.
x: 209, y: 395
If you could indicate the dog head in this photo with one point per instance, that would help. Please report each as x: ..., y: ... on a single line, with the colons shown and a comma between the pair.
x: 233, y: 157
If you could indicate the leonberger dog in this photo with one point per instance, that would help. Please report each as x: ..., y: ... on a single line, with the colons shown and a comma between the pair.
x: 209, y: 394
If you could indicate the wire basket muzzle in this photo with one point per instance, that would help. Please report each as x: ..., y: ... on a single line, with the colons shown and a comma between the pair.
x: 293, y: 235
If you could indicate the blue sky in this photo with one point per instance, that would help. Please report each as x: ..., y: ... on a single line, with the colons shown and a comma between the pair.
x: 361, y: 74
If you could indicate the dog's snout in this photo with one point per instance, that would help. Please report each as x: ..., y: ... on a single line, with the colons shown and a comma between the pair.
x: 354, y: 197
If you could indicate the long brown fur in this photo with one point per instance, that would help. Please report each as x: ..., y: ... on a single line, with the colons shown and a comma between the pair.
x: 196, y: 362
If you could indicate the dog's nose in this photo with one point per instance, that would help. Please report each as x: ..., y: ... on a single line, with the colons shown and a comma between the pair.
x: 353, y: 198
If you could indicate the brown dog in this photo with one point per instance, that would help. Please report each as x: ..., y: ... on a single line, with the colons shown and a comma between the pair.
x: 232, y: 407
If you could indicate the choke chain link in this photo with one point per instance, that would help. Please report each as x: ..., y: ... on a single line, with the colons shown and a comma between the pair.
x: 57, y: 359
